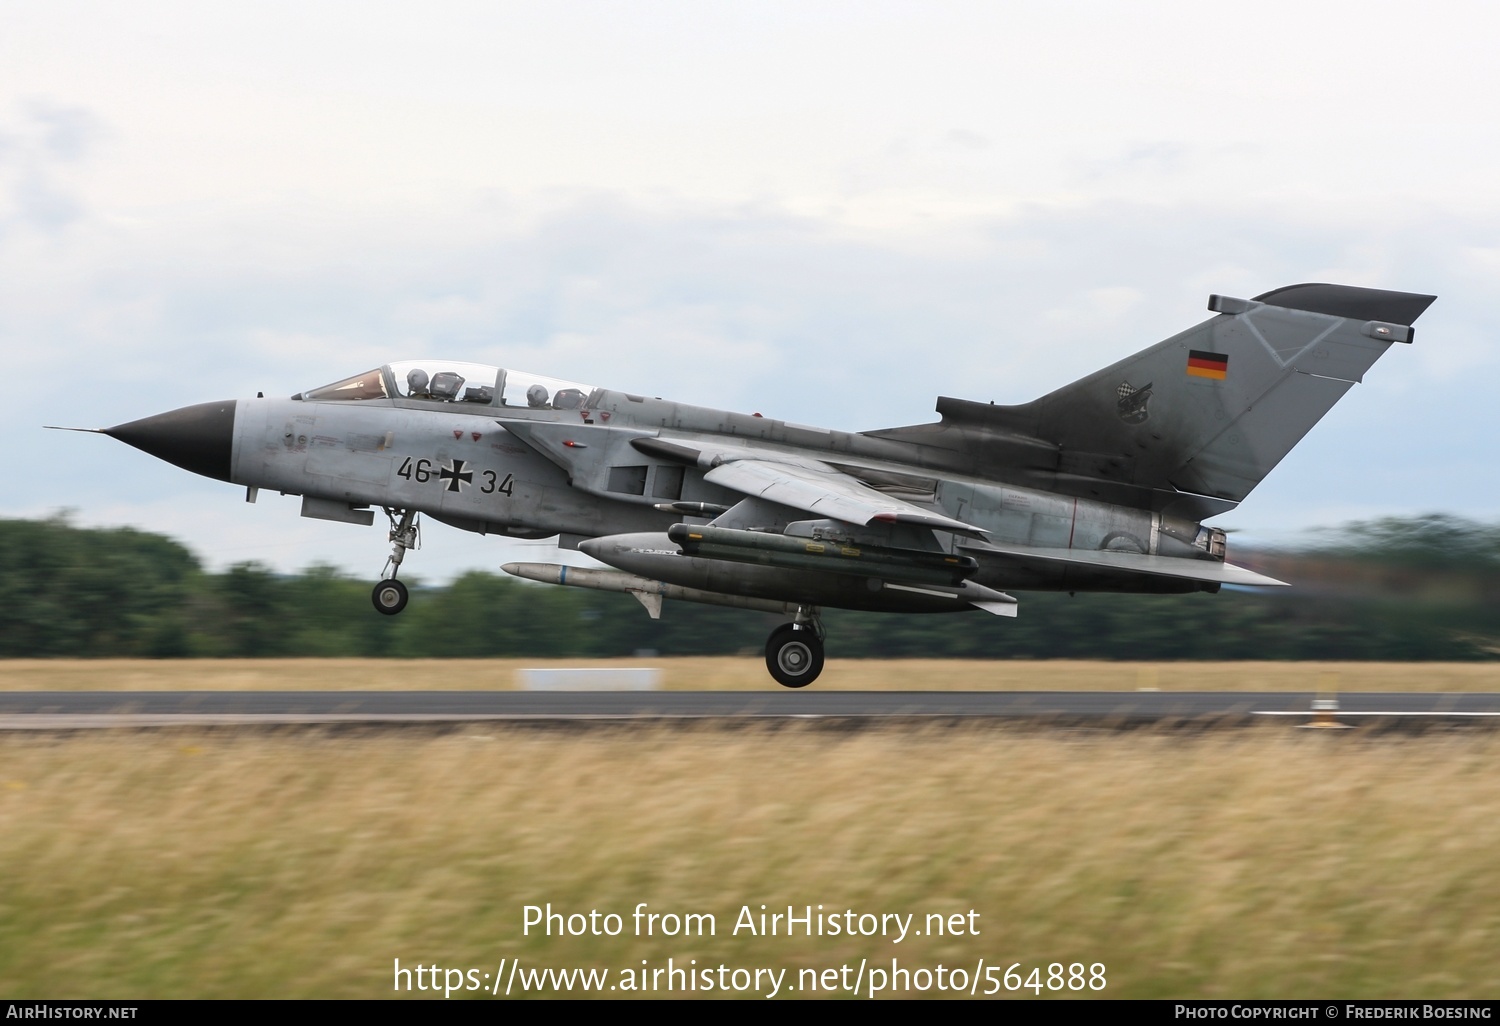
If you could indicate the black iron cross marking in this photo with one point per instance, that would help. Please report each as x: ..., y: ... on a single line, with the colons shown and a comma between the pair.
x: 456, y: 476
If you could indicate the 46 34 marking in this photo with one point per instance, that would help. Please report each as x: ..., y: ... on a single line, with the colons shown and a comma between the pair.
x: 453, y: 475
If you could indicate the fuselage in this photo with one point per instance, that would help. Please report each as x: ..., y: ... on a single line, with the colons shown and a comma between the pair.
x: 486, y: 465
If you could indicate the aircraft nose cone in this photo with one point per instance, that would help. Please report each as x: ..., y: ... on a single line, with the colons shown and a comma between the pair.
x: 197, y: 438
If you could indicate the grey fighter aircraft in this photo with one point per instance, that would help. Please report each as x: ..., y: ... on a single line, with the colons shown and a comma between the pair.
x: 1102, y: 485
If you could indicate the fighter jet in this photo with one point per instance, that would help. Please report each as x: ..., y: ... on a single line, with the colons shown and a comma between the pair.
x: 1101, y: 485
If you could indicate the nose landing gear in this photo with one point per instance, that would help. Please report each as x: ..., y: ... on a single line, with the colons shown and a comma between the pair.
x: 794, y: 651
x: 390, y: 595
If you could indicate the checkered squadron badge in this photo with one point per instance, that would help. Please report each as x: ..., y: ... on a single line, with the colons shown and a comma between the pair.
x: 1132, y: 402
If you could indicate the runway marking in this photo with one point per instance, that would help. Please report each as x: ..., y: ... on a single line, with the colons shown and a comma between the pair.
x: 21, y: 711
x: 1351, y: 712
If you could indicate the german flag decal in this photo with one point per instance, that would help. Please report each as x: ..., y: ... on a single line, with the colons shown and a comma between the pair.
x: 1207, y: 365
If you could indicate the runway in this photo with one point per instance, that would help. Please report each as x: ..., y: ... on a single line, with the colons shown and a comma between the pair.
x: 73, y: 710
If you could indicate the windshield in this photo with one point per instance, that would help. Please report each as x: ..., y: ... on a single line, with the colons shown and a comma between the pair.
x: 369, y: 385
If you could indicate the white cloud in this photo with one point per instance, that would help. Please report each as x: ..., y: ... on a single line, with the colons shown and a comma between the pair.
x: 824, y: 212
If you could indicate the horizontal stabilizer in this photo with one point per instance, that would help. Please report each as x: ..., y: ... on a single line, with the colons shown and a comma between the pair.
x: 1135, y: 562
x: 996, y: 603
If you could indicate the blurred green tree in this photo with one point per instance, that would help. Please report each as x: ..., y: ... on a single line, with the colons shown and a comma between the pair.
x: 1424, y: 588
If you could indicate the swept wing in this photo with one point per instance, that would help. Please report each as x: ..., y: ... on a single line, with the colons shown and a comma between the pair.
x: 820, y: 489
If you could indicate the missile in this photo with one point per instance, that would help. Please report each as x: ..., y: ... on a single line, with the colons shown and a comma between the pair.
x: 649, y: 593
x: 644, y: 561
x: 693, y: 509
x: 918, y: 566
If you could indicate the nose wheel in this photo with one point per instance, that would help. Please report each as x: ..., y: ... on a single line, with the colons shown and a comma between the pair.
x: 390, y: 595
x: 794, y: 652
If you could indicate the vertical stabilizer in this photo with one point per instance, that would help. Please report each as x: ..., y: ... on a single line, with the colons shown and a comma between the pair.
x: 1212, y: 410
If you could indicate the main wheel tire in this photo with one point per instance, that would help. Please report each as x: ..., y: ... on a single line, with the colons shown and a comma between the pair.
x: 794, y: 655
x: 389, y: 597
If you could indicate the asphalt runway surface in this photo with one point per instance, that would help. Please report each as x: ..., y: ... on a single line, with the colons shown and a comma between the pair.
x: 68, y: 710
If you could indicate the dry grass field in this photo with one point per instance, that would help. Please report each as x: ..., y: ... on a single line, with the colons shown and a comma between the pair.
x: 1261, y: 863
x: 739, y: 673
x: 1264, y: 863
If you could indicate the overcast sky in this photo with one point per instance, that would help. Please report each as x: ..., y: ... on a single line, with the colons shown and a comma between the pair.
x: 830, y: 213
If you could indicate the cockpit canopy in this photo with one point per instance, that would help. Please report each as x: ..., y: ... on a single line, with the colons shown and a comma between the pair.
x: 453, y: 381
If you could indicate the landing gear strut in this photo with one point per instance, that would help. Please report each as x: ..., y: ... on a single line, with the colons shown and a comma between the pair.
x: 794, y: 651
x: 390, y: 595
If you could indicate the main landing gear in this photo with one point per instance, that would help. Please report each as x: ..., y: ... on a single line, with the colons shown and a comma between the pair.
x: 794, y: 651
x: 390, y: 595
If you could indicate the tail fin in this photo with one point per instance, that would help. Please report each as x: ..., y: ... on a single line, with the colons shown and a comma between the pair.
x: 1209, y: 411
